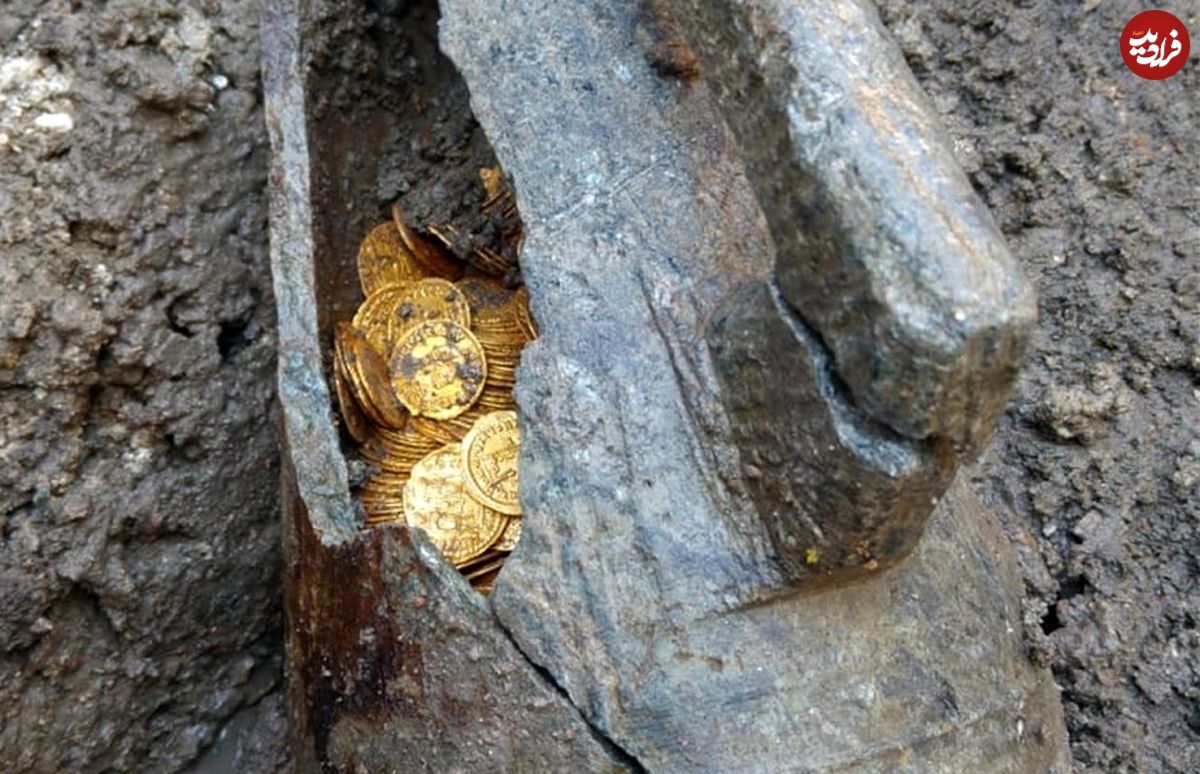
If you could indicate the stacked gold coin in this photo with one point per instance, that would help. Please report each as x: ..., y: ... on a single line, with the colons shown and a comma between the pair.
x: 424, y: 374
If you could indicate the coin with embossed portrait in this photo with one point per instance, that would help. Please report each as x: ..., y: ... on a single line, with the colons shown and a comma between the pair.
x: 490, y: 451
x: 438, y: 369
x: 435, y: 501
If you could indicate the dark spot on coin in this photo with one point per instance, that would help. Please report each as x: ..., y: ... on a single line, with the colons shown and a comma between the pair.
x: 407, y: 366
x: 469, y: 370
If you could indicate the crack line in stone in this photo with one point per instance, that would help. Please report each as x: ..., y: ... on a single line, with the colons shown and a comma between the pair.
x: 610, y: 745
x: 844, y: 408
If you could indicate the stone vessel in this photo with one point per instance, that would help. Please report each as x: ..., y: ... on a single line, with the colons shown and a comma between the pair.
x: 744, y: 545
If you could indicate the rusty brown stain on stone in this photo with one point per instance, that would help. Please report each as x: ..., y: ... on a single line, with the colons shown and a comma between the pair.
x: 337, y: 619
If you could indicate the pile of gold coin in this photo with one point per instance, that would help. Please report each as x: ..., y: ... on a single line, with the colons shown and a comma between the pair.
x: 424, y: 374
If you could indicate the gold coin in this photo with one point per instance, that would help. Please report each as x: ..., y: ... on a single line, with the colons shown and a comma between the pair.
x: 445, y: 234
x: 511, y: 535
x: 432, y: 259
x: 487, y: 557
x: 506, y: 364
x: 499, y: 384
x: 384, y: 481
x: 502, y: 371
x: 436, y: 430
x: 502, y: 349
x: 383, y: 498
x: 344, y: 362
x: 482, y: 291
x: 479, y: 569
x: 489, y: 460
x: 442, y: 235
x: 384, y: 495
x: 388, y: 464
x: 353, y: 419
x: 502, y: 378
x: 496, y: 400
x: 387, y: 314
x: 435, y: 501
x: 369, y: 380
x: 373, y: 521
x: 438, y: 369
x: 501, y: 357
x: 407, y: 441
x: 485, y: 583
x: 430, y: 299
x: 488, y: 260
x: 524, y: 316
x: 497, y: 312
x: 505, y: 379
x: 461, y: 425
x: 383, y: 260
x: 505, y: 371
x: 396, y: 452
x: 374, y: 316
x: 385, y: 509
x: 494, y: 308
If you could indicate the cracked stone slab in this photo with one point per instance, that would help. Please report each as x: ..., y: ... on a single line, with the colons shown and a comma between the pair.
x: 638, y: 281
x: 645, y: 621
x: 651, y: 579
x: 402, y: 667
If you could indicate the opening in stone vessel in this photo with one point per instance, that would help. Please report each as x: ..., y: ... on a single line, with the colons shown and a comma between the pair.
x: 399, y: 163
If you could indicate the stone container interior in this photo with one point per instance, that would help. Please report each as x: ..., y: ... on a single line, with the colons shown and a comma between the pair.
x: 389, y: 119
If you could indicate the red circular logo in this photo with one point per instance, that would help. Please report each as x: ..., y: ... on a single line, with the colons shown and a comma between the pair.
x: 1155, y: 45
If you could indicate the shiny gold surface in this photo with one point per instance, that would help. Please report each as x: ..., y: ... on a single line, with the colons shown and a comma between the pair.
x: 489, y: 460
x: 511, y: 535
x: 438, y: 369
x: 435, y: 501
x: 384, y: 260
x: 424, y: 374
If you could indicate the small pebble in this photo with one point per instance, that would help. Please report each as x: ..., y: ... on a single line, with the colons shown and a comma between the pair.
x: 58, y: 122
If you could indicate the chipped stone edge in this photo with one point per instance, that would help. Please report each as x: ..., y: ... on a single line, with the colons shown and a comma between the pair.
x: 309, y: 429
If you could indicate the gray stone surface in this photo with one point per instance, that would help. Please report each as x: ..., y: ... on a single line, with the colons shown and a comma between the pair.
x: 138, y: 511
x: 1089, y: 171
x: 883, y: 247
x: 835, y: 489
x: 394, y: 664
x: 1091, y: 174
x: 838, y: 495
x: 648, y: 580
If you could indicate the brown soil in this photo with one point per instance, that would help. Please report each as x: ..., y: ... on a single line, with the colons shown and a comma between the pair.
x: 139, y: 531
x: 1092, y: 174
